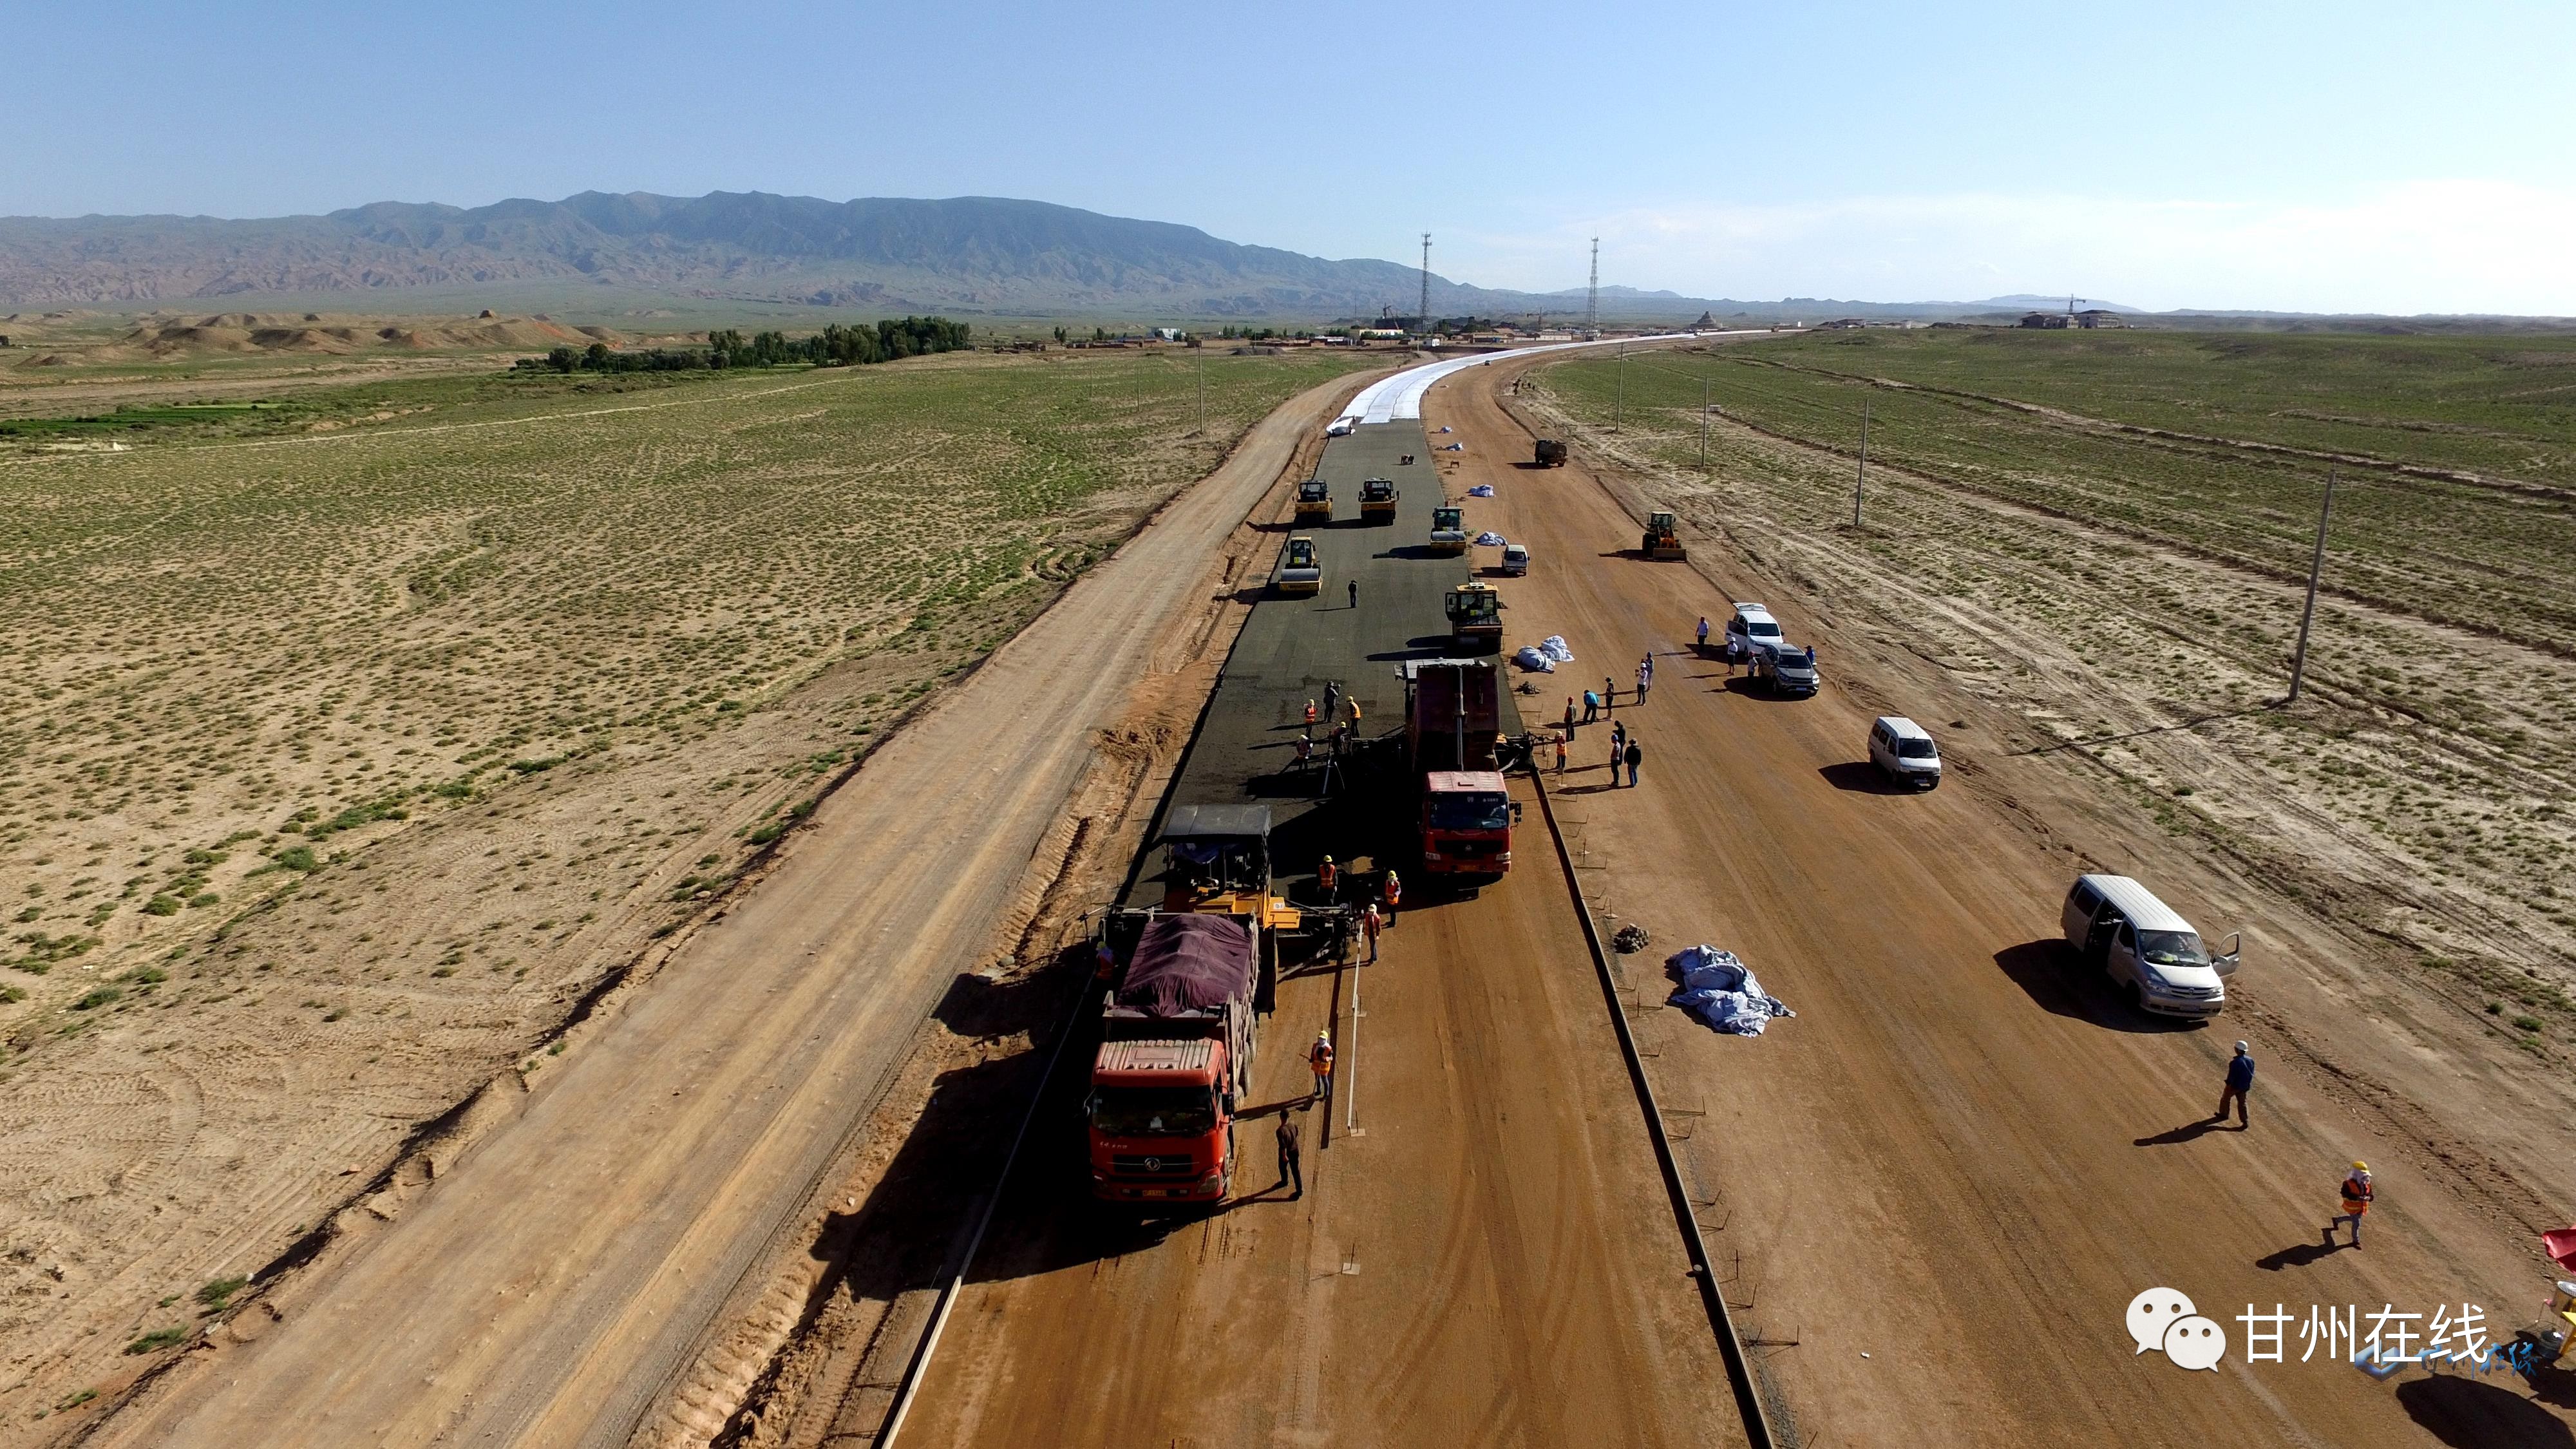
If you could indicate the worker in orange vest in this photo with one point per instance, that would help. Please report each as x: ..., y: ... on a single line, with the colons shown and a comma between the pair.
x: 1394, y: 891
x: 1370, y: 921
x: 1326, y: 876
x: 1319, y: 1058
x: 1310, y: 712
x: 2358, y: 1195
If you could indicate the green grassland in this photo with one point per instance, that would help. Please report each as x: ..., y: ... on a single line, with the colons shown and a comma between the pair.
x: 382, y: 599
x: 2044, y: 418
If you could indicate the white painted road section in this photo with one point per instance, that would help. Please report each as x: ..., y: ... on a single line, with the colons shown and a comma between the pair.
x: 1400, y: 396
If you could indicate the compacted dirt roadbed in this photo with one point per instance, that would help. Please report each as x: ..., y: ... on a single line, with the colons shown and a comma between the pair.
x: 546, y: 1292
x: 1490, y: 1258
x: 1949, y: 1174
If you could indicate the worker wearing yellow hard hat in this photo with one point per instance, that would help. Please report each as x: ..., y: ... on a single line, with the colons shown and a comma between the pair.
x: 2358, y: 1194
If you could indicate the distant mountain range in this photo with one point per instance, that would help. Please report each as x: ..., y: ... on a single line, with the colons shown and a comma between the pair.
x: 968, y: 256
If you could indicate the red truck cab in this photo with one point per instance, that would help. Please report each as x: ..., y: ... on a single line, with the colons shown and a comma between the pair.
x: 1466, y: 822
x: 1176, y: 1049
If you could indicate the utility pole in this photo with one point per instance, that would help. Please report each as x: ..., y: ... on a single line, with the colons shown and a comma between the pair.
x: 2307, y: 616
x: 1861, y: 476
x: 1619, y: 409
x: 1592, y: 297
x: 1426, y: 284
x: 1202, y: 392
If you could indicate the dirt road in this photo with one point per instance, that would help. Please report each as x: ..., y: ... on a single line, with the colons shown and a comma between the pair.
x: 543, y: 1293
x: 1489, y: 1258
x: 1947, y: 1177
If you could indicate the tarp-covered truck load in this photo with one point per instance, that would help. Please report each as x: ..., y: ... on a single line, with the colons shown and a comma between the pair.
x: 1175, y: 1055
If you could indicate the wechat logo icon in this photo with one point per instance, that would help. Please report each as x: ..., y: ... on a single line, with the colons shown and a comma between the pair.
x: 2165, y: 1320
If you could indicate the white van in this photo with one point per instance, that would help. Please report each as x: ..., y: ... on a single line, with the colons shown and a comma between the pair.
x: 2140, y: 942
x: 1904, y: 752
x: 1516, y: 560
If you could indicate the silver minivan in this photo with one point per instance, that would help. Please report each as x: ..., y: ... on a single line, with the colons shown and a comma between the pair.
x: 2146, y: 946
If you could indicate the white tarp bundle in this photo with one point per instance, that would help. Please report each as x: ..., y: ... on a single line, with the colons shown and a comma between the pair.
x: 1721, y: 991
x: 1553, y: 646
x: 1489, y: 539
x: 1531, y: 658
x: 1481, y: 490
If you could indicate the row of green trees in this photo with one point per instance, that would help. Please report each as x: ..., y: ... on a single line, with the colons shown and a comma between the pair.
x: 834, y: 346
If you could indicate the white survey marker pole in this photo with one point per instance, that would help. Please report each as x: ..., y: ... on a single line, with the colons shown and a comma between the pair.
x: 1350, y: 1088
x: 2307, y: 615
x: 1703, y: 419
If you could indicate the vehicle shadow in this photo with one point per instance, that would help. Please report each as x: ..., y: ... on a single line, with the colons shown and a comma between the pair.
x: 1751, y: 688
x: 2465, y: 1412
x: 2048, y: 973
x: 1860, y: 777
x: 1420, y: 646
x: 1415, y: 550
x: 2188, y: 1132
x: 2297, y: 1255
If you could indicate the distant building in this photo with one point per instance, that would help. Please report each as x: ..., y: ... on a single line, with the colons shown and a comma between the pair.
x: 2097, y: 317
x: 1843, y: 323
x: 2044, y: 319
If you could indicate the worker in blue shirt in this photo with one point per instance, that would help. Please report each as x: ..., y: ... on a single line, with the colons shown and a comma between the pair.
x: 2240, y: 1084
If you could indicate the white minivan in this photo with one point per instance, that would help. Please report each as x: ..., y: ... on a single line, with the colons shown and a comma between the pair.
x: 1752, y: 629
x: 1516, y: 560
x: 1904, y: 752
x: 2143, y: 944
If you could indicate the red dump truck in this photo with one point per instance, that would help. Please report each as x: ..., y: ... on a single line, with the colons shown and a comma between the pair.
x: 1453, y: 731
x: 1175, y: 1054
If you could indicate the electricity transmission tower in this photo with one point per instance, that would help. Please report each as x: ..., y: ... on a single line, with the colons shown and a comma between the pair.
x: 1592, y: 296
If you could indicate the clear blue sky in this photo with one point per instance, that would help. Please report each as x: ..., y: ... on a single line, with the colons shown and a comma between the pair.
x: 2348, y: 156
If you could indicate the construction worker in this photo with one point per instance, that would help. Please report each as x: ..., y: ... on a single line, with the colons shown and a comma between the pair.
x: 1569, y: 714
x: 1370, y: 921
x: 1305, y: 750
x: 1703, y: 633
x: 1560, y: 754
x: 1355, y: 714
x: 1104, y: 962
x: 1326, y: 876
x: 2240, y: 1080
x: 1393, y: 890
x: 1319, y: 1060
x: 1591, y: 706
x: 2358, y: 1195
x: 1332, y: 697
x: 1633, y: 755
x: 1355, y: 593
x: 1645, y: 680
x: 1310, y: 714
x: 1609, y: 694
x: 1288, y: 1166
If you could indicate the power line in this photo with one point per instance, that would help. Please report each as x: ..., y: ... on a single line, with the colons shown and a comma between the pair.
x: 1592, y: 297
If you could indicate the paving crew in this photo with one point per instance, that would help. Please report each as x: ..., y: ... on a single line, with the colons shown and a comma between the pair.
x: 1393, y: 889
x: 1569, y: 714
x: 1326, y: 875
x: 2240, y: 1081
x: 1288, y: 1167
x: 2358, y: 1195
x: 1104, y: 961
x: 1305, y: 749
x: 1634, y: 754
x: 1591, y: 706
x: 1332, y: 697
x: 1370, y: 921
x: 1354, y: 703
x: 1560, y: 754
x: 1319, y: 1060
x: 1310, y: 712
x: 1355, y: 593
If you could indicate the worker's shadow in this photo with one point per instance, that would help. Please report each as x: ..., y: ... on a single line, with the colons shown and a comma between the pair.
x: 2461, y: 1411
x: 2297, y: 1255
x: 2188, y: 1132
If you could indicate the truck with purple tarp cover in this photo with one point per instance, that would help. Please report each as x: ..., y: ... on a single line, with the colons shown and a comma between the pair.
x: 1175, y: 1054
